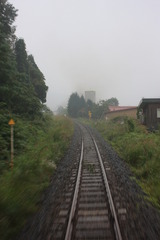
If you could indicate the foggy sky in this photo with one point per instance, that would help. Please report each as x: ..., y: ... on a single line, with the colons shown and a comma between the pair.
x: 109, y: 46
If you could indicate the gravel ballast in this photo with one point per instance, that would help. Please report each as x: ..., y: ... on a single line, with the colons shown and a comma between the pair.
x: 138, y: 218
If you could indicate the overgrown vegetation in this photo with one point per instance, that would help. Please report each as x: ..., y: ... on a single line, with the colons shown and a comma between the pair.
x: 22, y: 84
x: 40, y: 139
x: 39, y: 145
x: 78, y: 107
x: 139, y: 148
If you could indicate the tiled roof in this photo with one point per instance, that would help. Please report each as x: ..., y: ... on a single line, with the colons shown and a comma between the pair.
x: 120, y: 108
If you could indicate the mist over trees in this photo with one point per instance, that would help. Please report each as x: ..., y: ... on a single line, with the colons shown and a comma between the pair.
x: 22, y: 85
x: 78, y: 107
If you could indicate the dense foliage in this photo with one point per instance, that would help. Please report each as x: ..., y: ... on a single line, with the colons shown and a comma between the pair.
x: 139, y: 148
x: 40, y: 139
x: 22, y: 85
x: 78, y: 107
x: 39, y: 145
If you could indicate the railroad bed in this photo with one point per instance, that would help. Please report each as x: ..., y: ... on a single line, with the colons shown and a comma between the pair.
x: 92, y: 214
x: 92, y: 196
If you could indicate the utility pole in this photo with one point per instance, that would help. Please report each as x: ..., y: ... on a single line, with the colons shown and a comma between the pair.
x: 11, y: 123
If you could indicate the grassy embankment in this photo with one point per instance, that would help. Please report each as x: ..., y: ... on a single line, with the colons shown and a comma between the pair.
x: 39, y: 145
x: 140, y: 149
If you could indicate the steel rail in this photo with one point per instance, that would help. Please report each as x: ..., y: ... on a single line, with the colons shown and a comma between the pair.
x: 113, y: 212
x: 75, y: 197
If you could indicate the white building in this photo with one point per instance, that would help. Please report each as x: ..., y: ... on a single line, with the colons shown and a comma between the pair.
x: 90, y: 95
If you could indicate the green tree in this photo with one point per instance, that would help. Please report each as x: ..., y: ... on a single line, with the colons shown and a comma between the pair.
x: 112, y: 102
x: 21, y: 57
x: 31, y: 89
x: 24, y: 100
x: 82, y: 110
x: 7, y: 61
x: 99, y: 110
x: 37, y: 79
x: 89, y: 105
x: 73, y: 105
x: 7, y: 16
x: 78, y: 107
x: 22, y: 85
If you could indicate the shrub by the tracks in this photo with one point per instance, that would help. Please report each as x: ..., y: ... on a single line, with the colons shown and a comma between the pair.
x: 139, y: 148
x: 38, y: 147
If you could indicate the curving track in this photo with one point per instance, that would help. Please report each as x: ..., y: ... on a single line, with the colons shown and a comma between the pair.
x: 92, y: 213
x: 86, y: 211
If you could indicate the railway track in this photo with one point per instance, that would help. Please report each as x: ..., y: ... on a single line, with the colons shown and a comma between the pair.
x: 92, y: 213
x: 78, y: 203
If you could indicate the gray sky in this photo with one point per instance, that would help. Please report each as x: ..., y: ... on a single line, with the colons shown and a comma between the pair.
x: 110, y: 46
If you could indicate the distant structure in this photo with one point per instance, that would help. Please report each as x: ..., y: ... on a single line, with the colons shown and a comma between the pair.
x: 90, y: 95
x: 121, y: 111
x: 149, y: 112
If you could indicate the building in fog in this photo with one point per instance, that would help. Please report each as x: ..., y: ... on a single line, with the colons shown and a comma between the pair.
x: 149, y: 112
x: 90, y: 95
x: 121, y: 111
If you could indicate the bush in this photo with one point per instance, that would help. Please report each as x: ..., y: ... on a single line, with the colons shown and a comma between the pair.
x: 139, y: 149
x: 39, y: 145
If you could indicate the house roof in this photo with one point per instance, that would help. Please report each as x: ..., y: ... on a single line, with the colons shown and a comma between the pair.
x: 120, y: 108
x: 146, y: 101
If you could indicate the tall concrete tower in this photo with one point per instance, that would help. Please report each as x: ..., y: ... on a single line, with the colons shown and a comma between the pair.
x: 90, y: 95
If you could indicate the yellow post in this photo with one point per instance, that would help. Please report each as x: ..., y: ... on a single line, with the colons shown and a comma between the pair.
x: 11, y: 123
x: 89, y: 114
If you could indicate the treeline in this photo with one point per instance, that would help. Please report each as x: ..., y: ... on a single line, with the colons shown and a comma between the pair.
x: 78, y: 107
x: 22, y: 84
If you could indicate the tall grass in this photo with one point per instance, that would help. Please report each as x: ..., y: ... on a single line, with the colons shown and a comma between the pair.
x: 140, y: 149
x: 39, y: 145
